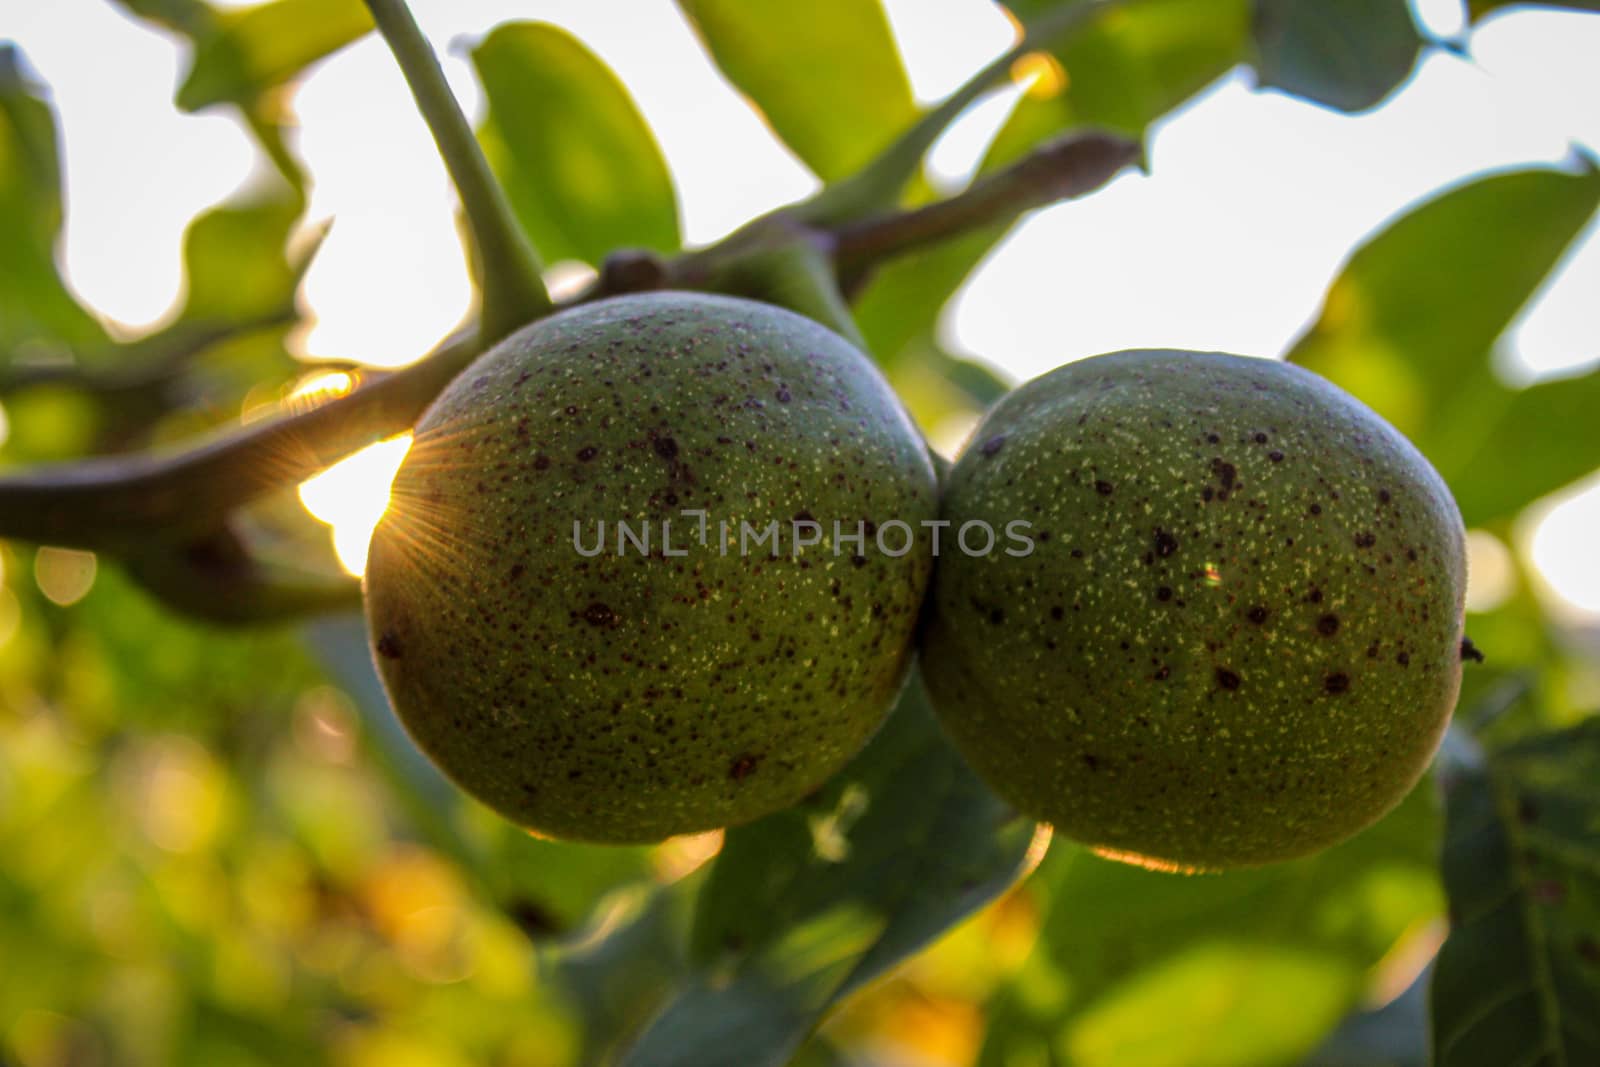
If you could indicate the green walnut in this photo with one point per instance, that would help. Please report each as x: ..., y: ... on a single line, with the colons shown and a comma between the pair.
x: 1237, y: 637
x: 610, y: 598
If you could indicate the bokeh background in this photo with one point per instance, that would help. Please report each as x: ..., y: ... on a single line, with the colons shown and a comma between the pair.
x: 212, y: 849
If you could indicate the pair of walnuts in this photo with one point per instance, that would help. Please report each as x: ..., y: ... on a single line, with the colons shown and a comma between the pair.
x: 1195, y: 608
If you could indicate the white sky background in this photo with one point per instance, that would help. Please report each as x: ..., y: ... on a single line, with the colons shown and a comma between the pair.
x: 1254, y: 199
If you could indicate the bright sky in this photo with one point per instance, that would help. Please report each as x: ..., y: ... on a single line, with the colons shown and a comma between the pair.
x: 1253, y: 201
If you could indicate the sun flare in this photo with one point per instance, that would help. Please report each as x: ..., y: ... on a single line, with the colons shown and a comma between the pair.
x: 351, y: 497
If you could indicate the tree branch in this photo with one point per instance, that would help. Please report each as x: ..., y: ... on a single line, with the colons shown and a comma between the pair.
x: 119, y: 501
x: 122, y: 503
x: 1059, y: 170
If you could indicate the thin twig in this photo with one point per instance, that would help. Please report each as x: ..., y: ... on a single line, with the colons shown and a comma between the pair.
x: 1060, y: 170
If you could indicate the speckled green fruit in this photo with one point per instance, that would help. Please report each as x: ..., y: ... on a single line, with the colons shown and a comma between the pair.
x: 606, y: 694
x: 1237, y: 639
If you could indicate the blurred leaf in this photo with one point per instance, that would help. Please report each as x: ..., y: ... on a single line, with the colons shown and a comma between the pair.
x: 547, y: 887
x: 1394, y: 1035
x: 1518, y: 980
x: 826, y: 75
x: 236, y: 260
x: 243, y: 53
x: 806, y: 906
x: 901, y: 304
x: 1252, y: 966
x: 578, y: 162
x: 615, y: 983
x: 188, y: 17
x: 1347, y: 54
x: 1410, y: 323
x: 1477, y: 9
x: 35, y: 306
x: 1128, y: 67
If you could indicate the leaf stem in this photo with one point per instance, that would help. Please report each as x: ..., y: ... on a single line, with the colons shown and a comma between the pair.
x: 513, y: 292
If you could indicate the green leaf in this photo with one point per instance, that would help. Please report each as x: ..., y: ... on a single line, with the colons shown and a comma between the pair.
x: 236, y: 261
x: 1518, y: 979
x: 580, y: 166
x: 1131, y: 65
x: 1347, y: 54
x: 36, y: 308
x: 1410, y: 324
x: 1252, y: 966
x: 806, y: 906
x: 1477, y: 9
x: 243, y: 53
x: 826, y: 74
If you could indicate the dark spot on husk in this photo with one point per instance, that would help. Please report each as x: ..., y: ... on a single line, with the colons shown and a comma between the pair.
x: 1336, y: 683
x: 993, y: 445
x: 744, y: 766
x: 1328, y: 625
x: 1228, y: 679
x: 598, y: 614
x: 389, y: 645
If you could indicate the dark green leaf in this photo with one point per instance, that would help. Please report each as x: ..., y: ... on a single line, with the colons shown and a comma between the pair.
x: 616, y: 983
x: 1518, y: 980
x: 36, y: 309
x: 805, y: 906
x: 1252, y: 966
x: 243, y: 53
x: 1477, y: 9
x: 826, y: 74
x: 1347, y: 54
x: 579, y: 164
x: 1410, y: 323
